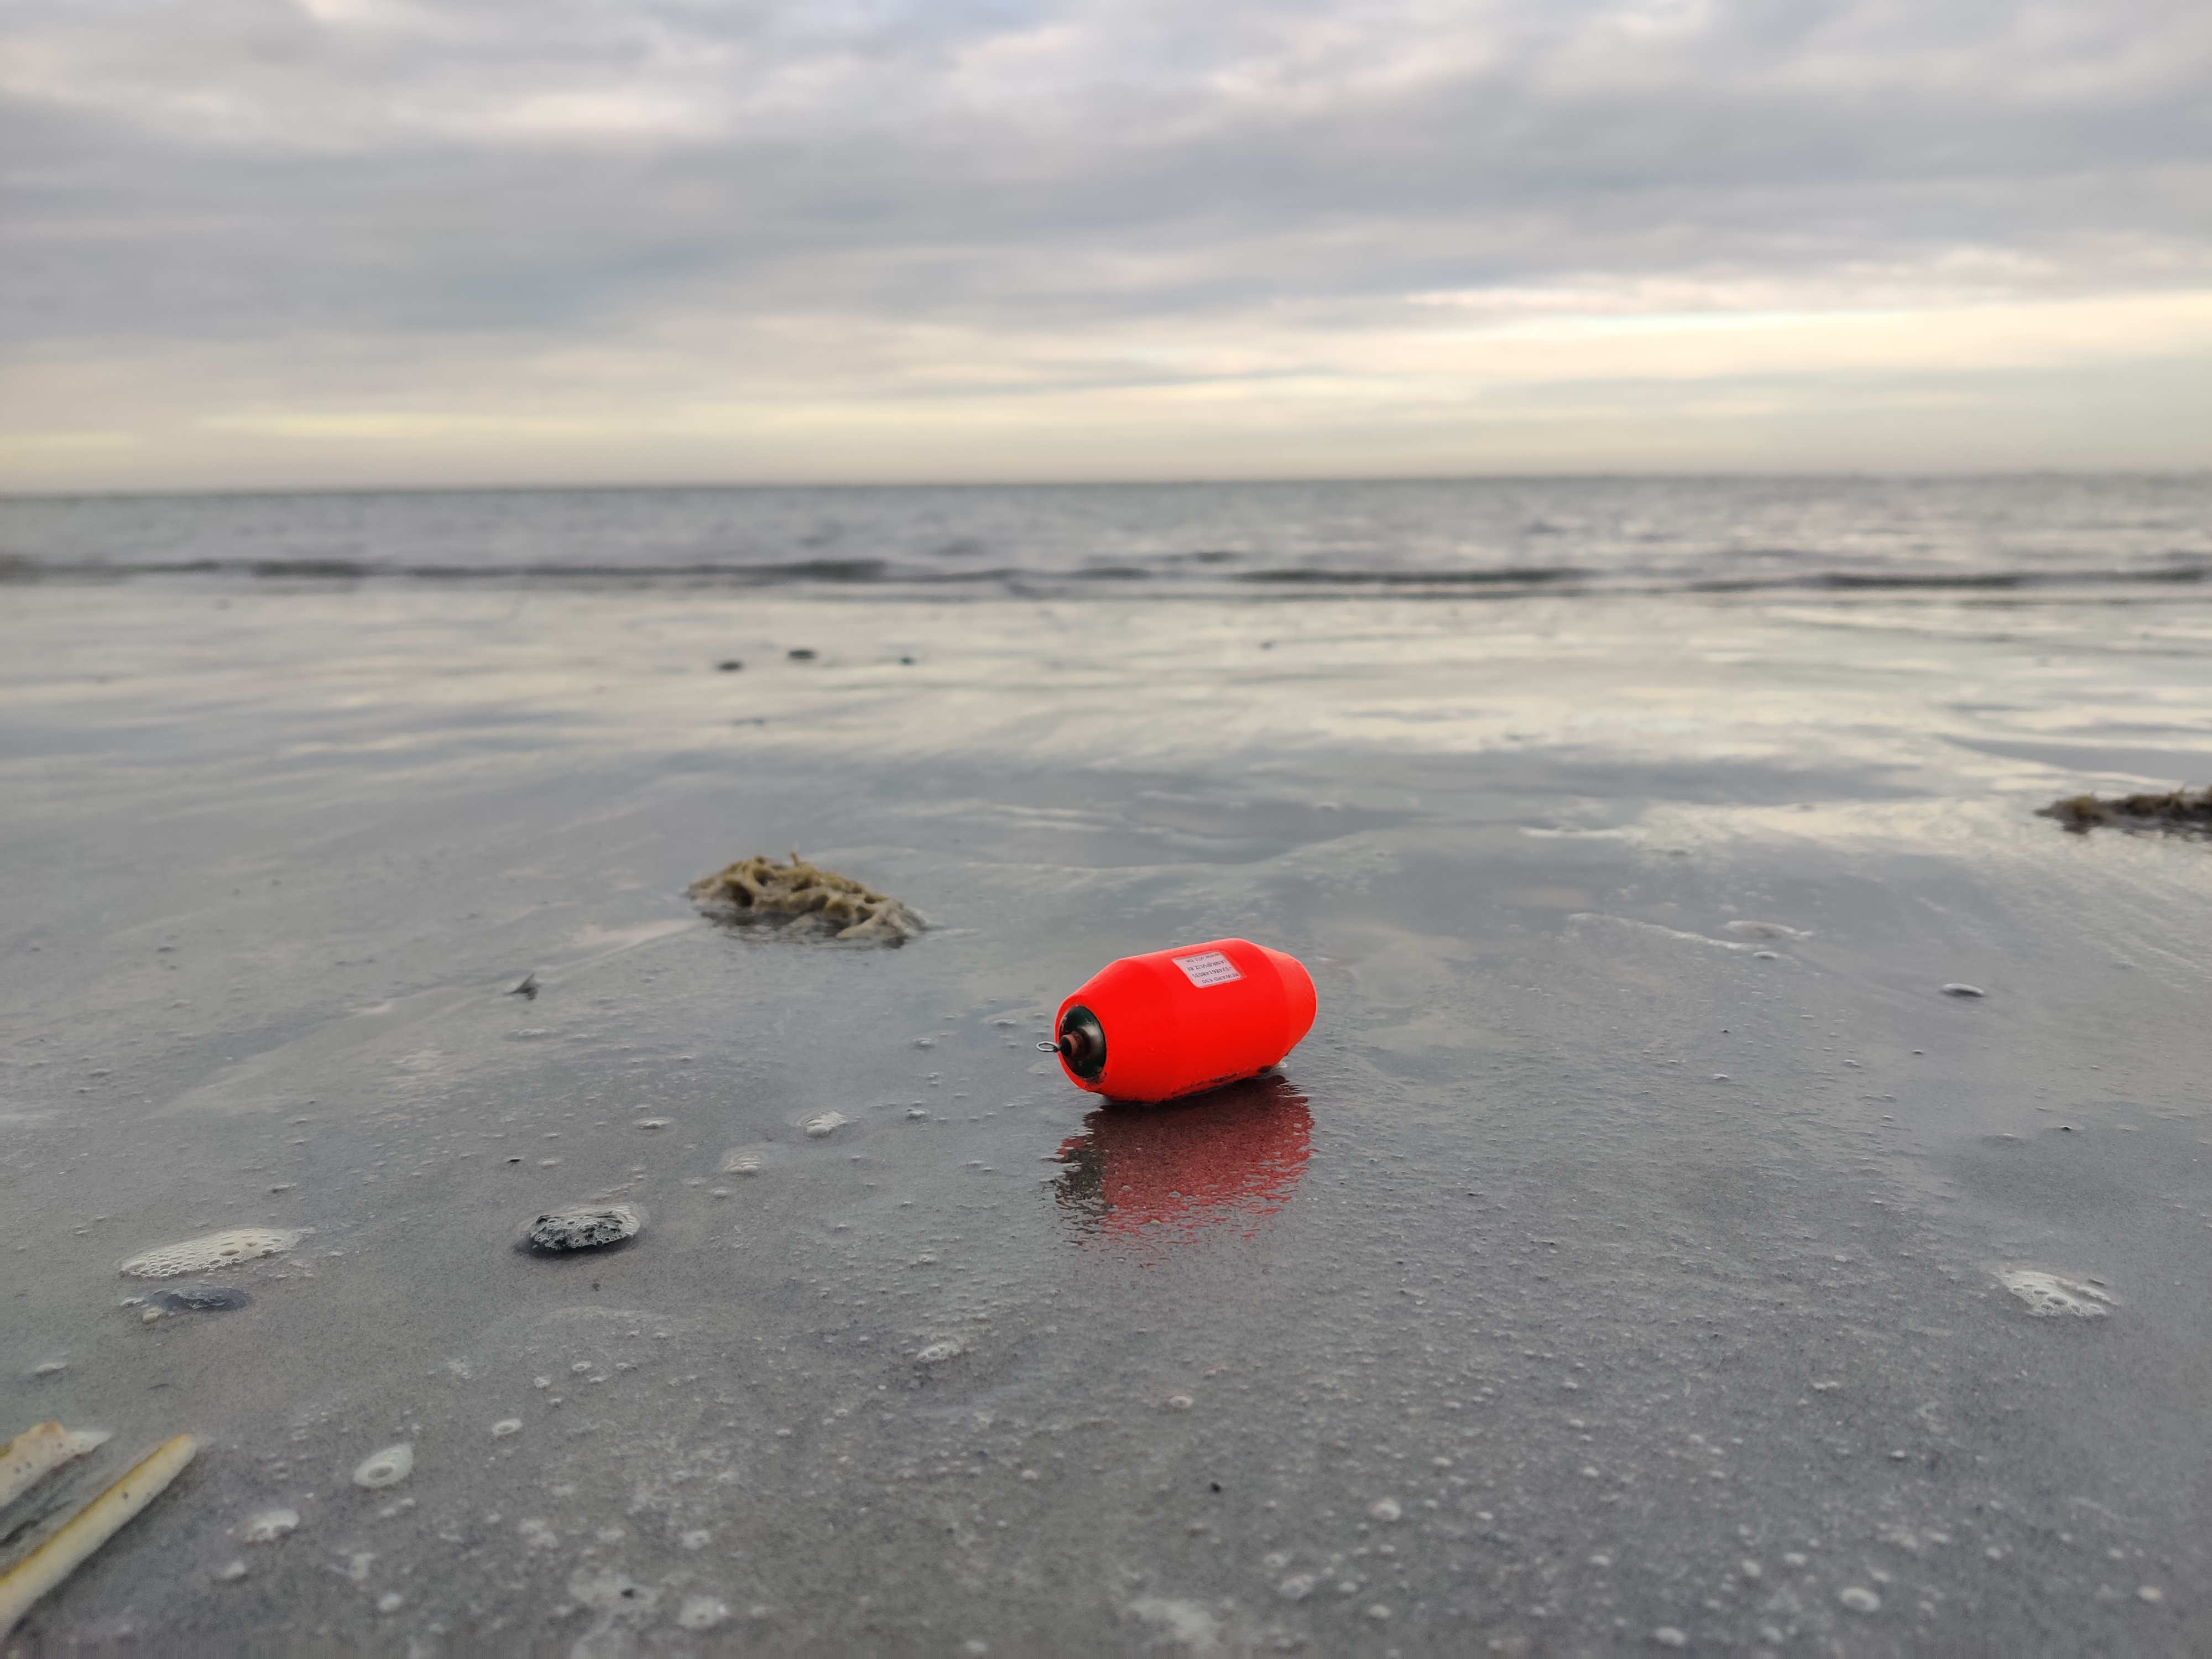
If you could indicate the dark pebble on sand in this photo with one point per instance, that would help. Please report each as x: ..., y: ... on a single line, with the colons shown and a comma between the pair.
x: 729, y: 665
x: 585, y: 1226
x: 200, y: 1298
x: 800, y: 653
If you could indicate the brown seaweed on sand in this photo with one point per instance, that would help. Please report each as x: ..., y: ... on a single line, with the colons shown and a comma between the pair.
x: 2177, y: 810
x: 757, y: 889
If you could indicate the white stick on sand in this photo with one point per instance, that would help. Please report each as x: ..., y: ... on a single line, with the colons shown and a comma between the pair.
x: 91, y: 1526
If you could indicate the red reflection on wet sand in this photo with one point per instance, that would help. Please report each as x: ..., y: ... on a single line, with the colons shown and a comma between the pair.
x: 1230, y: 1155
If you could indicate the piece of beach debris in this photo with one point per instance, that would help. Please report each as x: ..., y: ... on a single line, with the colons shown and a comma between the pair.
x: 821, y: 1127
x: 758, y: 888
x: 2176, y: 810
x: 1955, y: 990
x: 585, y: 1226
x: 267, y: 1526
x: 1221, y: 1037
x: 197, y: 1255
x: 528, y: 989
x: 38, y: 1452
x: 728, y: 665
x: 800, y: 653
x: 91, y: 1526
x: 384, y: 1468
x: 1743, y: 929
x: 703, y: 1611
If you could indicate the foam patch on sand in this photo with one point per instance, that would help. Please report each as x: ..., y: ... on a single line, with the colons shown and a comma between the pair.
x: 2050, y: 1297
x: 197, y: 1255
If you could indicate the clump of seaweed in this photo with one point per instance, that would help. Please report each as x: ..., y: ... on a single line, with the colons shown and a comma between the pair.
x: 760, y: 888
x: 2177, y: 810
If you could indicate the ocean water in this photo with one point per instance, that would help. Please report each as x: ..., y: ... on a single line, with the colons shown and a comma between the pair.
x: 1643, y: 1250
x: 1507, y: 537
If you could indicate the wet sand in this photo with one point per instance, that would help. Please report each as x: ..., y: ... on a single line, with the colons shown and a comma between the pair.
x: 1616, y: 1265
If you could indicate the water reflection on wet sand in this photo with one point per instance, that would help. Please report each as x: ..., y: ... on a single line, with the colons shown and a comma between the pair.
x: 1229, y: 1156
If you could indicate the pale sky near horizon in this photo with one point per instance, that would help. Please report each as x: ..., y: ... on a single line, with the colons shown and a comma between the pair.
x: 273, y: 243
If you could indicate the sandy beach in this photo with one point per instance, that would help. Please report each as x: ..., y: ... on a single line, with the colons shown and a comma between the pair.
x: 1655, y: 556
x: 1631, y: 1255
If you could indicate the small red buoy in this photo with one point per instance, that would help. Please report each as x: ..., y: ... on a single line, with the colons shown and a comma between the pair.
x: 1171, y: 1023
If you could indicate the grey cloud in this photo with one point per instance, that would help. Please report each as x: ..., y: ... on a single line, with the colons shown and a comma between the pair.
x: 240, y: 167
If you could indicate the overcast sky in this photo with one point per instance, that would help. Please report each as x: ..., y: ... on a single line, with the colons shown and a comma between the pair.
x: 249, y: 242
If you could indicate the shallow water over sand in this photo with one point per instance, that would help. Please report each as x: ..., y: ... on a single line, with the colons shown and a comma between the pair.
x: 1620, y: 1255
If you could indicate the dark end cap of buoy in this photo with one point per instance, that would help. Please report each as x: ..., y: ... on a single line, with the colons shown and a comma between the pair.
x: 1082, y: 1043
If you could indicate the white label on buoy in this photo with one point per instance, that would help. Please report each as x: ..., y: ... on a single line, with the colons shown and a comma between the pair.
x: 1208, y: 967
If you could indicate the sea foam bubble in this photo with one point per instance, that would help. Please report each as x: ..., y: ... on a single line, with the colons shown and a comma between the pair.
x: 387, y: 1467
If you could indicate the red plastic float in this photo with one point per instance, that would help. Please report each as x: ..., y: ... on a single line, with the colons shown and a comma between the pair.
x: 1171, y: 1023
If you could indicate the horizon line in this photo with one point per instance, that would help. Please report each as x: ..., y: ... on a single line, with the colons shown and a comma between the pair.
x: 697, y: 486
